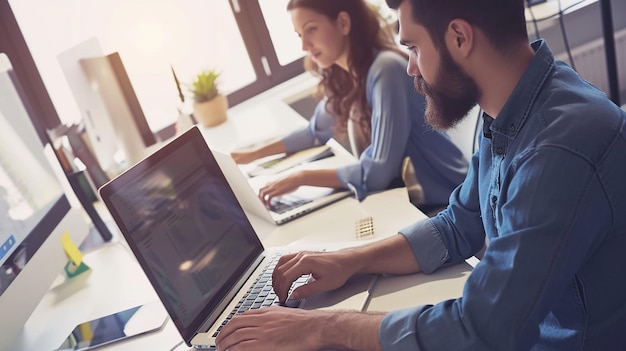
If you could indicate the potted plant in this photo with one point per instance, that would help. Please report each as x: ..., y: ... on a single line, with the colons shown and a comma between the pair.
x: 209, y: 105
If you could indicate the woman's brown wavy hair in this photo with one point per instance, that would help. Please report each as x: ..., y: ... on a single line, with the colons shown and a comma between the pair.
x: 368, y: 35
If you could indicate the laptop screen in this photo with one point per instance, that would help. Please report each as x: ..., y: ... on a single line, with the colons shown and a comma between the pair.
x: 185, y: 226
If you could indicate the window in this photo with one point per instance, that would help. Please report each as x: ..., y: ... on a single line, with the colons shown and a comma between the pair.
x: 251, y: 41
x: 149, y: 35
x: 286, y: 42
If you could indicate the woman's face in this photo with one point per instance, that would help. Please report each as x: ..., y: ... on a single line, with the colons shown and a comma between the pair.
x: 324, y: 39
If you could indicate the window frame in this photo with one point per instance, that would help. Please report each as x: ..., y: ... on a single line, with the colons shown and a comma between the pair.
x: 261, y: 52
x: 35, y: 94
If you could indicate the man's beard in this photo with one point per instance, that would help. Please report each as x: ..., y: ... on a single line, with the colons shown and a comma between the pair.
x: 451, y: 96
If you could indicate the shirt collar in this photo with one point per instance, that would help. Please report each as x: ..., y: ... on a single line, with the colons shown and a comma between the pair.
x: 487, y: 121
x: 516, y: 109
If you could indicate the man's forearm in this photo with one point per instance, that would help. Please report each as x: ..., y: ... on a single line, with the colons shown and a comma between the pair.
x: 392, y: 255
x: 351, y: 331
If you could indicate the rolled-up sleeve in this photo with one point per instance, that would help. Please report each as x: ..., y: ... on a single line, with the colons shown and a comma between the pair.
x: 397, y: 330
x: 427, y: 245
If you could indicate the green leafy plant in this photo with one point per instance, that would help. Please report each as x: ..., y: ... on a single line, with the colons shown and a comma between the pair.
x: 205, y: 85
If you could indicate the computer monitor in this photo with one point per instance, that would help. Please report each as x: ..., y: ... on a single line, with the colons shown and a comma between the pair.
x: 34, y: 212
x: 107, y: 76
x: 95, y: 117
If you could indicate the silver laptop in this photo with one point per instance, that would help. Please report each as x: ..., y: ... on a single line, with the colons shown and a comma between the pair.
x: 194, y: 242
x: 284, y: 208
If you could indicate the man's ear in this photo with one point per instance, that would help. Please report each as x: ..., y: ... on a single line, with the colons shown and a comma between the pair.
x: 460, y: 37
x: 344, y: 22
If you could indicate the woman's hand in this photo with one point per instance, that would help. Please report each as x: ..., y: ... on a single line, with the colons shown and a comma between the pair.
x: 279, y: 187
x: 243, y: 157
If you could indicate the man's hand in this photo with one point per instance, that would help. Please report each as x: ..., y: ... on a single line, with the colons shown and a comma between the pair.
x: 329, y: 271
x: 272, y: 328
x: 281, y: 328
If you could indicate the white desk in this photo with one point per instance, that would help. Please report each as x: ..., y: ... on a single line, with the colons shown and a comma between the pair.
x: 249, y: 125
x: 397, y: 292
x: 117, y: 282
x: 263, y: 117
x: 390, y: 210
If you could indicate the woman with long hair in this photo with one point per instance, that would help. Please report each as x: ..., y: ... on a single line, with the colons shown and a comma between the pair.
x: 368, y: 99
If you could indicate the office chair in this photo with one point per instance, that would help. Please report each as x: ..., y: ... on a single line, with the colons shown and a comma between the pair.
x: 416, y: 191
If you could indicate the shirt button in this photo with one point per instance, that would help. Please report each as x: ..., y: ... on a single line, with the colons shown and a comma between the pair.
x: 500, y: 150
x: 494, y: 199
x: 512, y: 128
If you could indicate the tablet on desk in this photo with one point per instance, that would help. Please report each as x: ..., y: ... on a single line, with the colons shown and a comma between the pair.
x: 116, y: 327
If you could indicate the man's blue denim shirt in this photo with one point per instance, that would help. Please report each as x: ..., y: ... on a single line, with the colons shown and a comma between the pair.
x: 548, y: 189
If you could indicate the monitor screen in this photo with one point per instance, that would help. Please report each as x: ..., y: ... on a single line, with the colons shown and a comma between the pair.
x: 107, y: 76
x: 34, y: 211
x: 28, y: 187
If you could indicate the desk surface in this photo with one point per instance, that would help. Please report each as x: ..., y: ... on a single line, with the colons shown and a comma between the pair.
x: 389, y: 211
x: 117, y: 282
x: 266, y: 116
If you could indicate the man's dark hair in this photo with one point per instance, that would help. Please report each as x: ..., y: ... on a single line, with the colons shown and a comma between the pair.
x: 502, y: 21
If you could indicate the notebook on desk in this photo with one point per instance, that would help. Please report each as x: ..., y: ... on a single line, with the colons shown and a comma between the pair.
x: 284, y: 208
x: 193, y: 240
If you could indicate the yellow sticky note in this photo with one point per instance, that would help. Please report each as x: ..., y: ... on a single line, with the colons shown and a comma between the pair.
x: 85, y: 330
x: 71, y: 250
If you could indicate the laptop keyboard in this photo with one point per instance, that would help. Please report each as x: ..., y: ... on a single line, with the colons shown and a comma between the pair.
x: 284, y: 203
x: 261, y: 293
